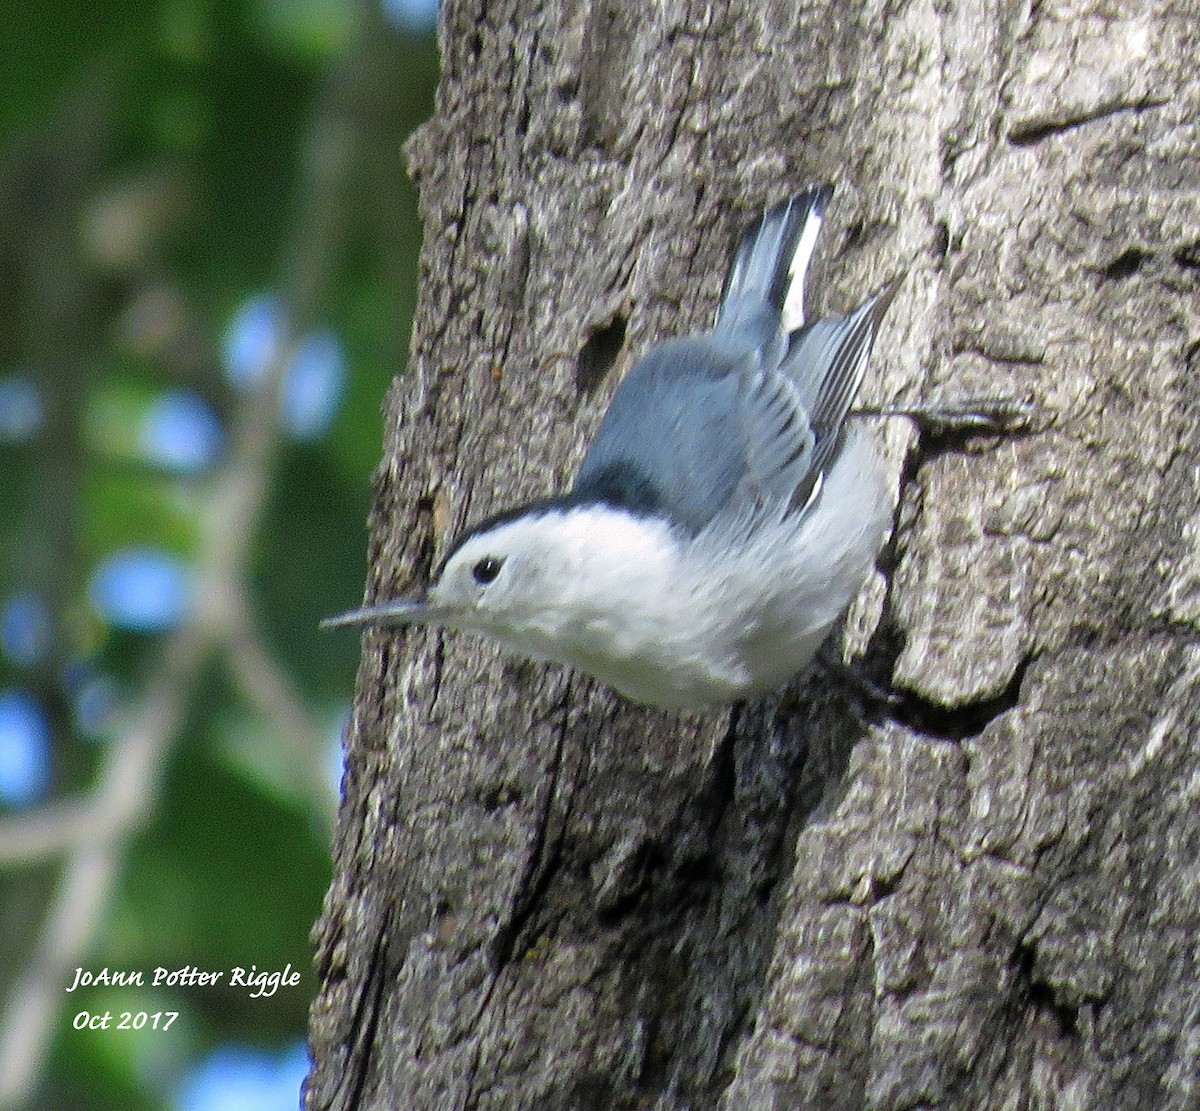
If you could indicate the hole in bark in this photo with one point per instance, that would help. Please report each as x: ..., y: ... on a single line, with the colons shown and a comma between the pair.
x: 941, y: 239
x: 958, y: 723
x: 1041, y: 995
x: 1188, y: 256
x: 1192, y: 356
x: 1125, y: 265
x: 600, y: 353
x: 498, y: 796
x: 424, y: 556
x: 1067, y: 1018
x: 636, y: 877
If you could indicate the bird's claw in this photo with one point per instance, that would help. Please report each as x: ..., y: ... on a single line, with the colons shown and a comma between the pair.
x: 966, y: 416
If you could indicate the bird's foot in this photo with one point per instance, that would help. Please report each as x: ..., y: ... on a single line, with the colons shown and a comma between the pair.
x: 967, y: 416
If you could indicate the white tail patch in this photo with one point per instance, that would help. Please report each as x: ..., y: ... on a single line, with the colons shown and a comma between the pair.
x: 793, y: 304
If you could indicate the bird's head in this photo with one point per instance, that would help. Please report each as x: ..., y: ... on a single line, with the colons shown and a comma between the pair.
x: 543, y: 579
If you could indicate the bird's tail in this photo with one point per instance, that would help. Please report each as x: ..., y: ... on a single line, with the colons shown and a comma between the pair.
x: 769, y: 268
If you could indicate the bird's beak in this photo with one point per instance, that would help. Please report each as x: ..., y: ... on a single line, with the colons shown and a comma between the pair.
x: 406, y: 611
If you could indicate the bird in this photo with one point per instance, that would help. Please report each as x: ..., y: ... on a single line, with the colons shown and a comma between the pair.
x: 726, y: 513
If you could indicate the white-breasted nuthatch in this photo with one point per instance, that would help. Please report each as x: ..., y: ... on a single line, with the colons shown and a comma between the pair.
x: 724, y: 516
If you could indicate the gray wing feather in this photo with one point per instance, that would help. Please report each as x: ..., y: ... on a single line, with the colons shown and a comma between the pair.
x: 671, y: 436
x: 791, y: 415
x: 778, y: 436
x: 747, y: 415
x: 837, y: 351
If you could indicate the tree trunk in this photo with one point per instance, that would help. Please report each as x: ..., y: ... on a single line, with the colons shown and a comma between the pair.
x: 985, y: 896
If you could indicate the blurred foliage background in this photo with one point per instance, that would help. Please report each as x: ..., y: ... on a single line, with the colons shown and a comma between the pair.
x: 209, y: 254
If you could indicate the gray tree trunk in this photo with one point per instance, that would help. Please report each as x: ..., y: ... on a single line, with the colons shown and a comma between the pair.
x: 986, y: 897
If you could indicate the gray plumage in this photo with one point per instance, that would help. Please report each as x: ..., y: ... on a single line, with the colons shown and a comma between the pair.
x: 750, y: 414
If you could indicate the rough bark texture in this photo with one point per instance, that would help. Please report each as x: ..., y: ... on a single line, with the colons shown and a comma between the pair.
x: 987, y: 897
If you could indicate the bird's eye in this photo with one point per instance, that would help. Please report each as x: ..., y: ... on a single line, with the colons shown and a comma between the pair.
x: 486, y: 569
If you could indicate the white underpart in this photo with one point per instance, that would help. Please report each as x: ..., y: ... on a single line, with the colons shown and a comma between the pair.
x: 736, y: 611
x: 793, y: 303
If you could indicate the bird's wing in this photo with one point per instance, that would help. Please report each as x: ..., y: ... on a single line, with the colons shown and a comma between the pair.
x: 777, y: 437
x: 698, y: 428
x: 791, y: 415
x: 830, y: 358
x: 670, y: 443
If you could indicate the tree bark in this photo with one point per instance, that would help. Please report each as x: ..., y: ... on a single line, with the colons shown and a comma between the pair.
x: 984, y: 896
